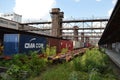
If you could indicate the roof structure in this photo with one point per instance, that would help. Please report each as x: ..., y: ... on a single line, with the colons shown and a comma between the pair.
x: 111, y: 33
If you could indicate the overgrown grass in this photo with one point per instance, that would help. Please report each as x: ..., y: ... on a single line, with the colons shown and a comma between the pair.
x: 93, y: 65
x: 55, y: 72
x: 63, y: 71
x: 92, y: 59
x: 21, y: 66
x: 96, y: 63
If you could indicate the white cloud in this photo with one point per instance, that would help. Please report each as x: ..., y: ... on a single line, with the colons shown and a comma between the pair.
x: 77, y: 0
x: 0, y: 14
x: 110, y: 11
x: 98, y: 0
x: 114, y: 1
x: 33, y: 9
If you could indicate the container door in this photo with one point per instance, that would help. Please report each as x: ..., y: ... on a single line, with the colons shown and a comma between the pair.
x: 11, y: 44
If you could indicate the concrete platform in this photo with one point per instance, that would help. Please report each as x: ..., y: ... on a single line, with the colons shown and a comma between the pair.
x: 114, y: 56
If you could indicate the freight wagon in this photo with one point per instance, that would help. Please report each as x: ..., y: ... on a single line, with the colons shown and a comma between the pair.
x: 24, y: 43
x: 60, y: 44
x: 68, y: 44
x: 78, y: 44
x: 54, y: 42
x: 20, y: 43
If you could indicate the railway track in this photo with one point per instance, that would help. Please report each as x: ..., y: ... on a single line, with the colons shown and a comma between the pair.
x: 60, y: 58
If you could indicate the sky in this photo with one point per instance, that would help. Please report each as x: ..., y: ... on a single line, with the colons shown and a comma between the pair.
x: 73, y: 9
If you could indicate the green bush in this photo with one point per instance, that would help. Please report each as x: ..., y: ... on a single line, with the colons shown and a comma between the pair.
x: 92, y: 59
x: 73, y: 76
x: 96, y: 64
x: 64, y: 50
x: 14, y: 72
x: 36, y: 65
x: 22, y: 64
x: 95, y: 75
x: 77, y: 65
x: 49, y: 51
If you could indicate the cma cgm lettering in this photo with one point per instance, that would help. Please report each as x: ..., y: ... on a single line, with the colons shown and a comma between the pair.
x: 22, y: 43
x: 34, y: 45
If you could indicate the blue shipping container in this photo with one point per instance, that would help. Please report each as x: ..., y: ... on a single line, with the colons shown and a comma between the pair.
x: 21, y: 43
x: 11, y: 44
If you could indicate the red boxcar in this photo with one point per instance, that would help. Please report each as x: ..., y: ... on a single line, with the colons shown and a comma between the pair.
x: 66, y: 44
x: 60, y: 44
x: 54, y: 42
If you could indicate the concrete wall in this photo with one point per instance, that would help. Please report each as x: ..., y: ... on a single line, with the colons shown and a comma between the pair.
x: 8, y: 23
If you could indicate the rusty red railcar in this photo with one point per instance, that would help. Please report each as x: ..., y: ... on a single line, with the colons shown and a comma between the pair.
x: 68, y: 44
x: 54, y: 42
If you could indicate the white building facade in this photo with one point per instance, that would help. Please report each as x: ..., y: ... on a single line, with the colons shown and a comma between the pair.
x: 13, y: 17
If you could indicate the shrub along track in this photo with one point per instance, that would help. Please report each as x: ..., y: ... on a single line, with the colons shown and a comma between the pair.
x: 74, y: 70
x: 20, y: 63
x: 77, y: 69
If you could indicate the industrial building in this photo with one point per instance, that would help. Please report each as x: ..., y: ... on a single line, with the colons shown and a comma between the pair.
x: 110, y: 39
x: 12, y: 16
